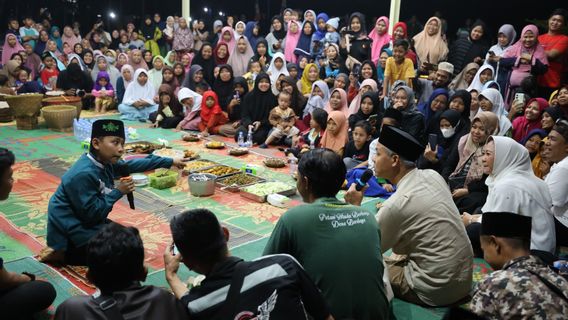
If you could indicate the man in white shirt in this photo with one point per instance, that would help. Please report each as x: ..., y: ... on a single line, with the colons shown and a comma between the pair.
x: 556, y: 150
x: 432, y: 257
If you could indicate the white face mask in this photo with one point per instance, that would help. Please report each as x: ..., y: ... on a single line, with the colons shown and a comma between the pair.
x: 449, y: 132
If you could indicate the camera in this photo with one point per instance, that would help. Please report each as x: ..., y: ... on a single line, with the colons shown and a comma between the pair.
x: 80, y: 93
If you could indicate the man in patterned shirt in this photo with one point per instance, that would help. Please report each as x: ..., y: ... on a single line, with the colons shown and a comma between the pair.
x: 524, y: 288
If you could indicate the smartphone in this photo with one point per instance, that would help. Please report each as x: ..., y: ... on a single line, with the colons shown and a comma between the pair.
x: 373, y: 117
x: 356, y: 70
x: 520, y: 97
x: 433, y: 141
x: 429, y: 66
x: 237, y: 95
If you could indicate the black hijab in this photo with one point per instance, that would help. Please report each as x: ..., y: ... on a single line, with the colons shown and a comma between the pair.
x: 257, y: 56
x: 466, y: 98
x: 360, y: 116
x: 363, y: 31
x: 298, y: 101
x: 281, y: 34
x: 305, y: 41
x: 224, y: 89
x: 373, y: 67
x: 208, y: 65
x: 257, y: 104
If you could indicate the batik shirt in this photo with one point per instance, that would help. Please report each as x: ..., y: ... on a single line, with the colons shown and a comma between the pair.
x: 516, y: 292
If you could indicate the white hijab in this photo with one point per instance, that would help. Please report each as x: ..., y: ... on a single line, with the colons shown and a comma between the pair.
x: 317, y: 102
x: 513, y: 187
x: 185, y: 93
x: 136, y: 91
x: 476, y: 83
x: 273, y: 71
x: 496, y: 99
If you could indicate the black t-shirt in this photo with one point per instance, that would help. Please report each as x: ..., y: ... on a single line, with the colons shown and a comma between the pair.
x: 360, y: 155
x: 276, y: 286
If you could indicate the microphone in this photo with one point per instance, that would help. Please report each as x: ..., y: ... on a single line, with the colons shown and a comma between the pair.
x: 125, y: 174
x: 362, y: 181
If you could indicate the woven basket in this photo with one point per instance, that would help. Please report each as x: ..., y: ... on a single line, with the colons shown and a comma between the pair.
x: 59, y: 118
x: 63, y: 100
x: 25, y: 108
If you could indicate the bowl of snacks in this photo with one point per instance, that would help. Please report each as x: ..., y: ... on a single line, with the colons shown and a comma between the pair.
x: 191, y: 137
x: 275, y: 163
x: 240, y: 151
x: 201, y: 184
x: 190, y: 154
x: 215, y: 145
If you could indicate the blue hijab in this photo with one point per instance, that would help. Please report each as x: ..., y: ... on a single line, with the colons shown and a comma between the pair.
x: 250, y: 36
x: 320, y: 33
x: 380, y: 71
x: 57, y: 40
x: 305, y: 42
x: 425, y: 109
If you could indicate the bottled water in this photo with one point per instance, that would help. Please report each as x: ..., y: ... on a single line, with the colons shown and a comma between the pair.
x: 249, y: 138
x: 241, y: 140
x: 312, y: 144
x: 293, y: 166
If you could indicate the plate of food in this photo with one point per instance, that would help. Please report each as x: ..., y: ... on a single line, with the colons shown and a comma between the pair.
x: 240, y: 151
x: 139, y: 147
x: 195, y: 165
x: 191, y: 137
x: 215, y: 145
x: 169, y: 153
x: 220, y: 170
x: 55, y: 93
x: 190, y: 154
x: 275, y: 163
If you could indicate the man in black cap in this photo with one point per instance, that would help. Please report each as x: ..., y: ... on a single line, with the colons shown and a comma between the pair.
x: 524, y: 287
x: 84, y: 199
x: 432, y: 258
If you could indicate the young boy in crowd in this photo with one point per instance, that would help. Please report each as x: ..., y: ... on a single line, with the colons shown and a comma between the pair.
x: 28, y: 33
x: 13, y: 28
x: 49, y: 71
x: 87, y: 193
x: 357, y: 150
x: 398, y: 67
x: 282, y: 119
x: 115, y: 258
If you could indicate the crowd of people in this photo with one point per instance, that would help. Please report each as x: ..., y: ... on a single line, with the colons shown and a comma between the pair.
x: 468, y: 143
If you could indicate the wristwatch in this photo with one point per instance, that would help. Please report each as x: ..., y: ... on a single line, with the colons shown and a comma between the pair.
x: 30, y: 275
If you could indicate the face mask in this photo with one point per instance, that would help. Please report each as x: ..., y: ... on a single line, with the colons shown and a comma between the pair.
x: 448, y: 133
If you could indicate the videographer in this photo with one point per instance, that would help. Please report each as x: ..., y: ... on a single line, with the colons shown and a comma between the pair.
x: 355, y: 46
x: 76, y: 83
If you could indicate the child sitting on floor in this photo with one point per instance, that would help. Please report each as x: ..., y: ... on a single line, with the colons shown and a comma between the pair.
x: 191, y: 103
x: 357, y: 150
x: 24, y: 84
x: 336, y: 133
x: 103, y: 92
x: 282, y: 119
x: 309, y: 139
x: 212, y: 116
x: 169, y: 113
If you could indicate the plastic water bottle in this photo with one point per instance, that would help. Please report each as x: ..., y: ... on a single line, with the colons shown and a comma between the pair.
x: 312, y: 144
x: 293, y: 166
x: 241, y: 140
x: 249, y: 138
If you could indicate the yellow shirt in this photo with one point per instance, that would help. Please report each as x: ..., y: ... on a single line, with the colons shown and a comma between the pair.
x: 396, y: 71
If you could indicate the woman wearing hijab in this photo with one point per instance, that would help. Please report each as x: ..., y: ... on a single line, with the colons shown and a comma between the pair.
x: 74, y: 58
x: 200, y: 35
x: 304, y: 45
x: 505, y: 37
x: 319, y: 34
x: 412, y: 119
x: 333, y: 64
x: 72, y: 79
x: 355, y: 45
x: 513, y: 187
x: 252, y: 35
x: 126, y: 72
x: 11, y: 69
x: 318, y: 99
x: 433, y: 108
x: 380, y: 37
x: 155, y: 74
x: 467, y: 182
x: 373, y: 117
x: 170, y: 59
x: 292, y: 38
x: 366, y: 85
x: 138, y: 102
x: 309, y: 76
x: 88, y: 59
x: 102, y: 64
x: 469, y: 49
x: 221, y: 53
x: 530, y: 120
x: 191, y: 101
x: 262, y: 55
x: 69, y: 37
x: 534, y: 143
x: 429, y: 44
x: 491, y: 100
x: 11, y: 46
x: 381, y: 66
x: 274, y: 71
x: 464, y: 79
x: 444, y: 158
x: 276, y: 37
x: 168, y: 116
x: 33, y: 61
x: 194, y: 77
x: 338, y: 102
x: 484, y: 74
x: 223, y: 85
x: 183, y: 37
x: 298, y: 101
x: 204, y: 58
x: 240, y: 57
x: 136, y: 60
x: 460, y: 101
x: 41, y: 42
x: 341, y: 81
x: 234, y: 106
x: 526, y: 57
x: 55, y: 35
x: 121, y: 60
x: 256, y: 109
x: 228, y: 37
x: 336, y: 134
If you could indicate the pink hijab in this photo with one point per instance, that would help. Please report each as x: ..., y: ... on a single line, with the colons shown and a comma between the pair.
x: 344, y: 105
x: 8, y: 51
x: 233, y: 42
x: 71, y: 40
x: 239, y: 61
x: 356, y: 103
x: 291, y: 42
x: 379, y: 41
x: 537, y: 51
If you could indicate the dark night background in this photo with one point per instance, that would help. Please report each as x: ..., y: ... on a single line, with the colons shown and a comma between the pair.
x: 494, y: 13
